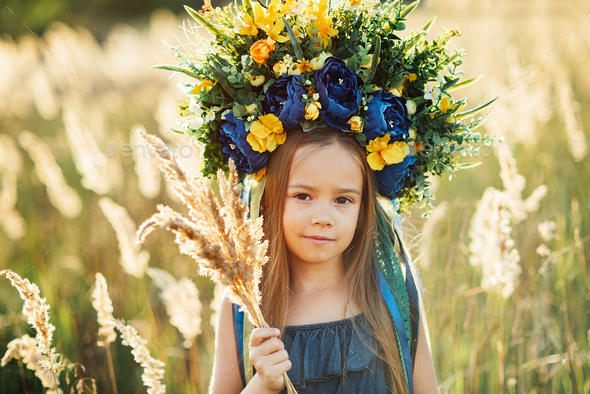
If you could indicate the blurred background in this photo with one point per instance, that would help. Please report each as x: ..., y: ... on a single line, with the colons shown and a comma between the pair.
x: 503, y: 257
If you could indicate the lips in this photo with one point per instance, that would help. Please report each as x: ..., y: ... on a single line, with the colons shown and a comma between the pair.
x: 318, y: 240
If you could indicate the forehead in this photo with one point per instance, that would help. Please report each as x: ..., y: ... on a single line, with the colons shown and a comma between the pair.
x: 326, y: 167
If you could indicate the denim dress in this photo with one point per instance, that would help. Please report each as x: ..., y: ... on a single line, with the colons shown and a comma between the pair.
x: 322, y: 354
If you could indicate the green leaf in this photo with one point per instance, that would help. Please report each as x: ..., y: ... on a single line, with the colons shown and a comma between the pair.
x: 353, y: 63
x: 248, y: 6
x: 357, y: 26
x: 462, y: 115
x: 375, y: 60
x: 362, y: 138
x: 267, y: 84
x: 465, y: 83
x: 464, y: 166
x: 294, y: 41
x: 449, y: 84
x: 427, y: 27
x: 409, y: 9
x: 202, y: 21
x: 176, y: 69
x: 221, y: 79
x: 308, y: 125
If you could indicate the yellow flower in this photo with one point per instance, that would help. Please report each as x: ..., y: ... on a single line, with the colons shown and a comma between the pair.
x: 312, y: 111
x: 205, y: 84
x: 370, y: 62
x: 396, y: 92
x: 257, y: 80
x: 304, y: 65
x: 356, y: 124
x: 411, y: 106
x: 260, y: 173
x: 251, y: 108
x: 260, y: 51
x: 445, y: 105
x: 354, y: 2
x: 248, y: 26
x: 294, y: 69
x: 322, y: 22
x: 411, y: 77
x: 317, y: 63
x: 381, y: 153
x: 265, y: 20
x: 280, y: 67
x: 274, y: 33
x: 266, y: 133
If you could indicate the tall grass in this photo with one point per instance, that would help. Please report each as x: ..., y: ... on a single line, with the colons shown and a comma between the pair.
x: 78, y: 97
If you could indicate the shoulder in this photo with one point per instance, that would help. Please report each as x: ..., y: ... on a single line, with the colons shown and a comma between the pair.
x: 226, y: 375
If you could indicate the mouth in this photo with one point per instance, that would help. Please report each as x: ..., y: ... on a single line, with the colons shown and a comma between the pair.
x: 318, y: 240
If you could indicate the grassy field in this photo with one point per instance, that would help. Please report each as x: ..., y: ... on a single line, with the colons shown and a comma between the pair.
x: 504, y: 257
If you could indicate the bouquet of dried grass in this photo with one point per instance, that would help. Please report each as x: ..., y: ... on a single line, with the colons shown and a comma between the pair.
x: 226, y: 244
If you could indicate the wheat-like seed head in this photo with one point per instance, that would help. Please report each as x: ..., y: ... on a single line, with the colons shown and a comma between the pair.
x: 153, y: 370
x: 226, y: 244
x: 35, y: 308
x: 104, y: 307
x: 26, y: 349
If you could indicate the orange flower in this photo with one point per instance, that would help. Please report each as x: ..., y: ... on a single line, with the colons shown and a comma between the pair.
x: 305, y: 65
x: 260, y: 51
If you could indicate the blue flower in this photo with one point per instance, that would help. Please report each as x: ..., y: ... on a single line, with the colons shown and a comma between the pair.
x: 232, y: 138
x: 340, y: 97
x: 392, y: 178
x: 387, y: 114
x: 283, y: 99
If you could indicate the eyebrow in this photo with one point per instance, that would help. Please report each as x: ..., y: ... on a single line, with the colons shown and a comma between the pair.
x: 311, y: 188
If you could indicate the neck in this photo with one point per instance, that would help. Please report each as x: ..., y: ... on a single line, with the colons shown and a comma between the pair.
x: 328, y: 275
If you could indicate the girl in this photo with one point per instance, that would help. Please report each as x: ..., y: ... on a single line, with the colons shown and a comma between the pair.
x: 333, y: 331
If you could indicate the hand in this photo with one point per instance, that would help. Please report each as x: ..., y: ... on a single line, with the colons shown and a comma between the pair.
x: 269, y: 357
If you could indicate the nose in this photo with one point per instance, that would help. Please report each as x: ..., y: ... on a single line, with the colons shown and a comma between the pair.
x: 322, y: 216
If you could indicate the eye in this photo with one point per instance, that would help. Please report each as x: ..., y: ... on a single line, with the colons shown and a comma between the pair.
x: 343, y: 200
x: 301, y: 197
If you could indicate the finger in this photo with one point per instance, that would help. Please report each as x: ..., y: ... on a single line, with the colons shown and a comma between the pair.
x: 260, y: 335
x: 280, y: 368
x: 269, y: 346
x: 276, y: 358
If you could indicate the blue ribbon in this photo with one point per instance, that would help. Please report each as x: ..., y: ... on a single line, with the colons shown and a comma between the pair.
x: 399, y: 324
x: 239, y: 331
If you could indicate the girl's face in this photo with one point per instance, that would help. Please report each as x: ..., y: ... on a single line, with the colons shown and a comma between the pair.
x: 323, y: 201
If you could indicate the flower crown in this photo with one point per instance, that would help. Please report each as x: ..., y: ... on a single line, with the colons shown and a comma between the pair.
x: 269, y: 69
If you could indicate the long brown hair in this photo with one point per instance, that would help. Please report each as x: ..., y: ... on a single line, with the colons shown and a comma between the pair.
x: 359, y: 262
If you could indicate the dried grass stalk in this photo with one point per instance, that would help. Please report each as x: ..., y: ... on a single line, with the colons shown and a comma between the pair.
x: 153, y: 369
x: 226, y: 244
x: 37, y: 353
x: 104, y: 308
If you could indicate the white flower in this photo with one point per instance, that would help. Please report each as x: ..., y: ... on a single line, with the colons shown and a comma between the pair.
x: 432, y: 94
x: 210, y: 116
x: 411, y: 106
x: 195, y: 122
